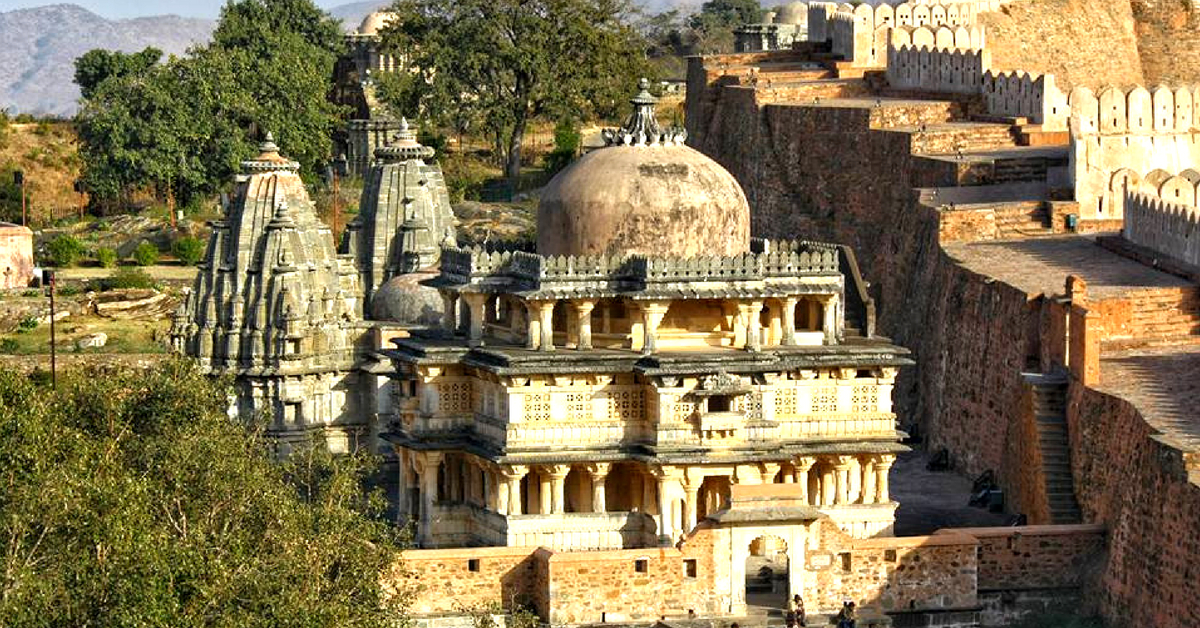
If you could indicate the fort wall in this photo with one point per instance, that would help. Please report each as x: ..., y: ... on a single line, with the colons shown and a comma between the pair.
x: 1169, y: 228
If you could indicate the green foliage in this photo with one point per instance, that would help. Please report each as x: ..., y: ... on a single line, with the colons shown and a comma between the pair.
x: 188, y: 250
x: 129, y: 498
x: 567, y: 140
x: 123, y: 279
x: 64, y: 251
x: 184, y: 125
x: 726, y: 14
x: 8, y: 346
x: 97, y: 66
x: 495, y: 65
x: 106, y: 257
x: 68, y: 291
x: 146, y: 254
x: 27, y: 325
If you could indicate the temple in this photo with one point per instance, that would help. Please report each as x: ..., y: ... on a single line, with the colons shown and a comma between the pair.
x: 370, y: 126
x: 608, y: 391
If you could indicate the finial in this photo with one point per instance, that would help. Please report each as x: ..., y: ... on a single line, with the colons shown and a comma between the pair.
x: 404, y: 146
x: 268, y: 158
x: 642, y: 128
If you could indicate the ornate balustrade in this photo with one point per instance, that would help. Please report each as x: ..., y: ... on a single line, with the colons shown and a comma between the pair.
x: 582, y: 531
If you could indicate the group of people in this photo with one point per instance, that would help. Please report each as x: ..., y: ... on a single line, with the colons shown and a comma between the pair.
x: 846, y: 618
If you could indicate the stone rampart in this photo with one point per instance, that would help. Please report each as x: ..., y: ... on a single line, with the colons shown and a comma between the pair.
x: 1034, y: 557
x: 862, y: 34
x: 1133, y: 138
x: 1169, y: 228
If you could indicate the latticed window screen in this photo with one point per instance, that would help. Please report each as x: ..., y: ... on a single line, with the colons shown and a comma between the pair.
x: 681, y: 410
x: 752, y: 405
x: 625, y: 405
x: 824, y: 399
x: 865, y: 399
x: 454, y: 397
x: 785, y: 402
x: 537, y: 406
x: 579, y: 406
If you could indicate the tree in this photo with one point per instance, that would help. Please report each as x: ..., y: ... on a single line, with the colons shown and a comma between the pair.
x: 726, y: 14
x: 180, y: 128
x: 130, y: 498
x: 97, y: 66
x: 506, y: 62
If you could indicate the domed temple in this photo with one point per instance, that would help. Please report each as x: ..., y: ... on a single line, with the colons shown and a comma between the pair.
x: 614, y: 388
x: 369, y: 125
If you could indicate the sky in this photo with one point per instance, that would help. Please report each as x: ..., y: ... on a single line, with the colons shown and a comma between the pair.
x: 117, y: 9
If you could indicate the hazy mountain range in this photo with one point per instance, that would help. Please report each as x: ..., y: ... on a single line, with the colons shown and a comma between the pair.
x: 38, y: 46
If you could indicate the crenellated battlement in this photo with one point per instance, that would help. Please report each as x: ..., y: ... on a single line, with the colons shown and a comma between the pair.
x: 1169, y: 228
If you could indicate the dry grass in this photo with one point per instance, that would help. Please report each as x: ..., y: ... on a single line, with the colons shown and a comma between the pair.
x: 49, y: 155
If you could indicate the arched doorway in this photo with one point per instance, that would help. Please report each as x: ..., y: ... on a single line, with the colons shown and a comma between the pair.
x: 767, y: 568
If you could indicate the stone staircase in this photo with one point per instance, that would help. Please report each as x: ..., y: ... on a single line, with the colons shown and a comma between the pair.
x: 1022, y: 219
x: 1049, y: 408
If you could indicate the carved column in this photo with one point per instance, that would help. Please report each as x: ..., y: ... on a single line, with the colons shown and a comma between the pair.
x: 599, y: 473
x: 546, y: 319
x: 449, y: 311
x: 403, y: 507
x: 828, y: 486
x: 882, y: 467
x: 665, y: 516
x: 477, y: 305
x: 691, y: 497
x: 803, y: 465
x: 546, y: 497
x: 652, y: 315
x: 789, y: 320
x: 753, y: 313
x: 510, y: 499
x: 868, y: 479
x: 769, y: 471
x: 583, y: 317
x: 830, y: 324
x: 533, y: 326
x: 429, y: 473
x: 842, y: 468
x: 558, y: 476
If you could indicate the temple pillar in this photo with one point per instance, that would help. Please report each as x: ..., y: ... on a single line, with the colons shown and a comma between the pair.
x: 652, y: 315
x: 544, y: 492
x: 774, y: 335
x: 868, y: 480
x: 769, y: 471
x: 510, y: 500
x: 882, y: 466
x: 803, y: 465
x: 789, y: 320
x: 477, y: 306
x: 404, y: 468
x: 599, y: 473
x: 842, y: 468
x: 648, y: 494
x: 449, y: 311
x: 753, y: 313
x: 665, y: 515
x: 827, y: 486
x: 533, y: 326
x: 691, y: 494
x: 546, y: 321
x: 583, y: 323
x: 558, y: 476
x: 429, y: 473
x: 829, y: 326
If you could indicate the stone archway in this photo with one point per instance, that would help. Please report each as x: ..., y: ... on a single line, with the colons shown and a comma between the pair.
x: 767, y: 575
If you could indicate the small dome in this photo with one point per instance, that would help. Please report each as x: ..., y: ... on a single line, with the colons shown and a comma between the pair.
x: 645, y: 193
x: 793, y: 13
x: 402, y: 299
x: 375, y: 22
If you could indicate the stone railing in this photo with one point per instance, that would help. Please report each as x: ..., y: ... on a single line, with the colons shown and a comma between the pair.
x: 582, y: 531
x: 825, y: 426
x: 1169, y: 228
x: 531, y: 272
x: 463, y: 525
x: 567, y: 433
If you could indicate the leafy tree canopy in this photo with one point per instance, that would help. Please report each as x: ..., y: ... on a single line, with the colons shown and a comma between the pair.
x: 96, y: 66
x: 131, y: 499
x: 180, y: 128
x: 494, y: 65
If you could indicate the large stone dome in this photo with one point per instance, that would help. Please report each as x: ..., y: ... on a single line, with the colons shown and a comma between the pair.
x: 402, y: 299
x: 793, y: 13
x: 375, y: 22
x: 645, y: 193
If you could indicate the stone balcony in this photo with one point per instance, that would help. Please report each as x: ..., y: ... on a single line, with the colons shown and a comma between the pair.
x: 464, y: 525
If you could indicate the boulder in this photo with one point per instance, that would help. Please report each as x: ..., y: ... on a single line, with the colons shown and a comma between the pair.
x: 92, y: 341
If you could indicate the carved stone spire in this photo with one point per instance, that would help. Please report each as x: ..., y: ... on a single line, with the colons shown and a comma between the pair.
x: 642, y: 128
x: 403, y: 147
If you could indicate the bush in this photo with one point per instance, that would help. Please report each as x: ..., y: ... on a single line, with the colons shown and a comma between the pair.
x: 124, y: 279
x: 8, y: 346
x: 27, y: 325
x: 145, y: 254
x: 188, y: 249
x: 567, y: 140
x: 68, y: 291
x: 64, y: 251
x: 106, y: 257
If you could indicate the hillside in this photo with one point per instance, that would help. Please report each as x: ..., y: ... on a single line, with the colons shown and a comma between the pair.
x: 38, y: 48
x: 50, y: 160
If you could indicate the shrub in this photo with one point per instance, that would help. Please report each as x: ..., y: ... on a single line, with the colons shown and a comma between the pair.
x: 188, y: 249
x: 124, y: 279
x: 145, y: 254
x: 64, y: 251
x: 68, y: 291
x: 27, y: 325
x: 106, y: 257
x: 567, y: 140
x: 8, y: 346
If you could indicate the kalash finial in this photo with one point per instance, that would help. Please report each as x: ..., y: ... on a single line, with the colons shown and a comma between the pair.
x: 268, y: 158
x: 404, y: 146
x: 642, y: 128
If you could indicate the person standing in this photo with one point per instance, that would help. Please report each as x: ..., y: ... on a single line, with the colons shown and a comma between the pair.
x: 797, y: 610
